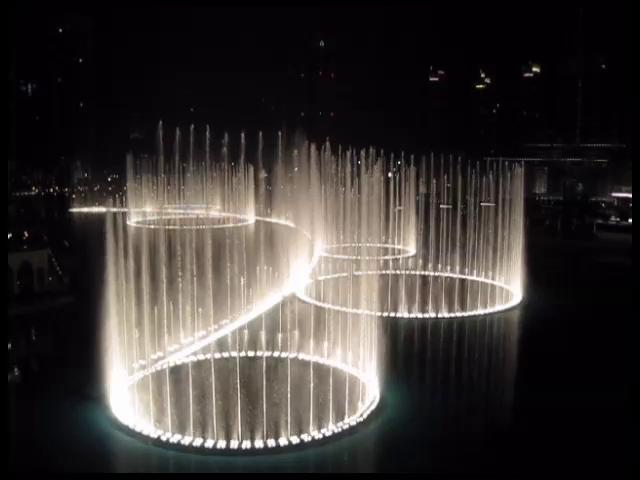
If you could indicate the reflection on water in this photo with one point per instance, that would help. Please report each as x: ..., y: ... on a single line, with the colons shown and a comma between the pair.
x: 461, y: 371
x: 448, y: 390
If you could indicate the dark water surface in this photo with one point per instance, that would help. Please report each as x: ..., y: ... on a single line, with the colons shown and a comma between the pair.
x: 543, y: 387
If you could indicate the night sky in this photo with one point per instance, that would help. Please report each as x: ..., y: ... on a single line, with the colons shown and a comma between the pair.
x: 236, y: 68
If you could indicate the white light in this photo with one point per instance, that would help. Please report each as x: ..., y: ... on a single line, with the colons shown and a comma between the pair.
x: 405, y: 252
x: 125, y: 414
x: 515, y: 295
x: 250, y: 301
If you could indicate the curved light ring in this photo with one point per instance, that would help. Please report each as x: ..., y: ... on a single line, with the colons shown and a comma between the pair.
x: 142, y: 222
x: 300, y: 276
x: 205, y: 337
x: 405, y: 251
x: 121, y: 412
x: 516, y: 296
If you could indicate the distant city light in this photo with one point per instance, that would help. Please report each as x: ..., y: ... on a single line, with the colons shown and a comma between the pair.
x: 80, y: 60
x: 59, y: 29
x: 321, y: 43
x: 435, y: 76
x: 484, y: 81
x: 531, y: 70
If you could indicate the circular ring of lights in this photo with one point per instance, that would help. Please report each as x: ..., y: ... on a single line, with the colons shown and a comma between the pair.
x: 183, y: 221
x: 404, y: 252
x: 122, y: 413
x: 515, y: 296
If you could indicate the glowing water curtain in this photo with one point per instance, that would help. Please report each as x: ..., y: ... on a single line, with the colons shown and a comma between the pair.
x: 243, y: 307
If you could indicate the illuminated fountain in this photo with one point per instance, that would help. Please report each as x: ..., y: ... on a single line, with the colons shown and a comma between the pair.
x: 455, y: 251
x: 243, y: 302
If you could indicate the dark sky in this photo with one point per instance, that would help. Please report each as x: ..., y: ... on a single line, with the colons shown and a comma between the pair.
x: 228, y: 62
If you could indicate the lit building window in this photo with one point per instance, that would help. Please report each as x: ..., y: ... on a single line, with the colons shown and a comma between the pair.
x: 483, y: 82
x: 436, y: 75
x: 531, y: 70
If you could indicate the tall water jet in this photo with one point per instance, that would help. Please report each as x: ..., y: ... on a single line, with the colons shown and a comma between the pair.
x: 244, y: 300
